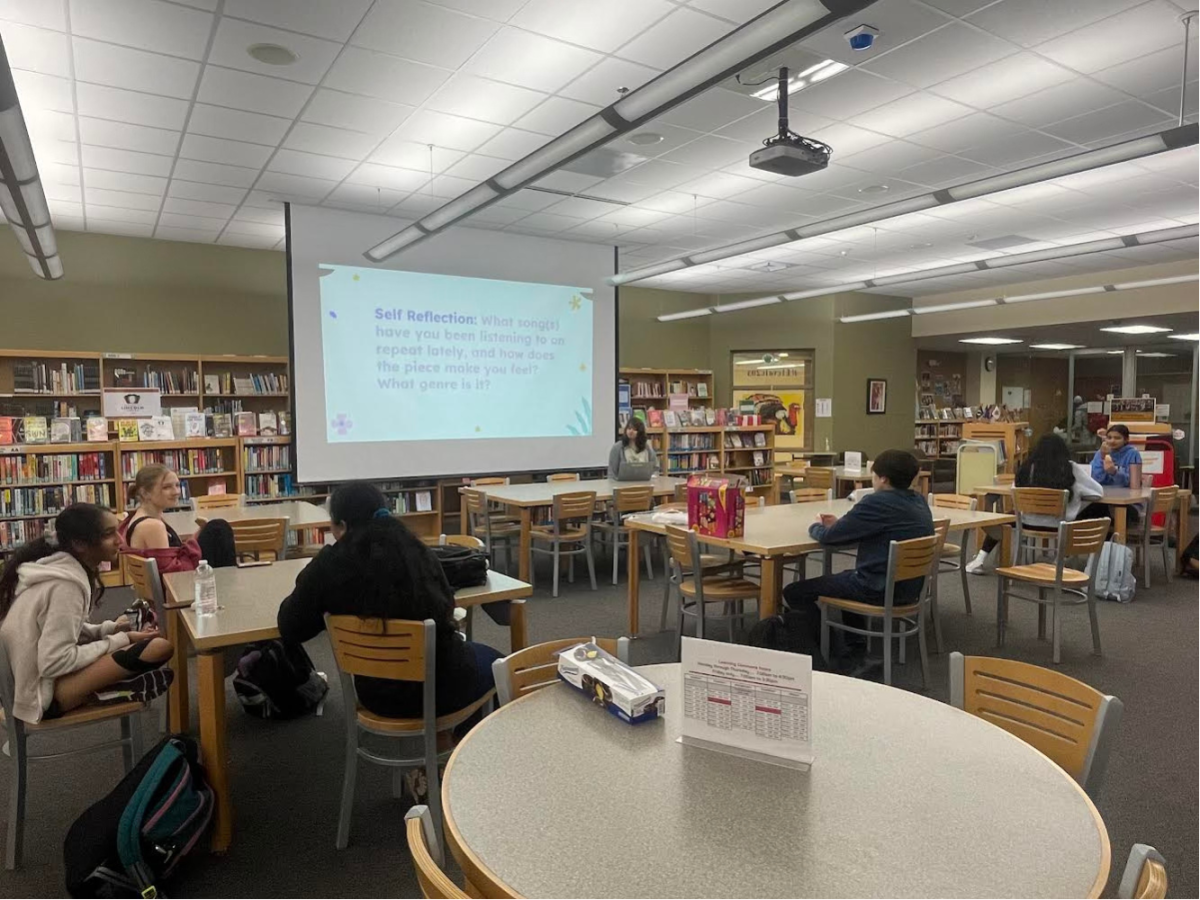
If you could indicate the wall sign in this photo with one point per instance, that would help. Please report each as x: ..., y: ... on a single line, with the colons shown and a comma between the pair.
x: 132, y: 403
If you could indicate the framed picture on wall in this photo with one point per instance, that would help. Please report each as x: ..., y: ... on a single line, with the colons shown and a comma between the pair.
x: 876, y: 396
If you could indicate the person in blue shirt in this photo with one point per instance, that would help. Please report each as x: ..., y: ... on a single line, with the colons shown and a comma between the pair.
x: 1117, y: 463
x: 893, y: 512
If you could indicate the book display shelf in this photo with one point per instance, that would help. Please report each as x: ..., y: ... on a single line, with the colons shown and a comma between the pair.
x: 938, y: 438
x: 746, y: 450
x: 652, y: 388
x: 1009, y: 435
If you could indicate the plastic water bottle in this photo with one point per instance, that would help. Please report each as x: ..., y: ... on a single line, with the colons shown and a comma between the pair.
x: 206, y: 589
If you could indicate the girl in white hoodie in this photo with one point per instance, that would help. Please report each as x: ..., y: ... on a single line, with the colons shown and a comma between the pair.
x: 59, y: 659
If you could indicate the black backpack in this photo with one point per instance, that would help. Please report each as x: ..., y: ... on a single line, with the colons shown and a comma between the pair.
x: 792, y: 632
x: 463, y: 566
x: 277, y: 680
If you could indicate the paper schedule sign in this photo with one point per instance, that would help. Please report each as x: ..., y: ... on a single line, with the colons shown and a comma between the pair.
x: 854, y: 461
x: 747, y: 701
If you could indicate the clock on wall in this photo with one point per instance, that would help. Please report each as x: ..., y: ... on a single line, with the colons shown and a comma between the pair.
x: 989, y: 363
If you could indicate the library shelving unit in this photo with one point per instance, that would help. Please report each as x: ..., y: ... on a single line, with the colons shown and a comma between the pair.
x: 267, y: 471
x: 174, y: 374
x: 199, y: 463
x: 1011, y: 434
x: 938, y: 438
x: 38, y: 480
x: 652, y: 388
x: 743, y: 450
x: 49, y: 383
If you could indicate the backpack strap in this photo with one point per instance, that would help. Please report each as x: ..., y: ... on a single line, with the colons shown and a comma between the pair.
x: 129, y: 830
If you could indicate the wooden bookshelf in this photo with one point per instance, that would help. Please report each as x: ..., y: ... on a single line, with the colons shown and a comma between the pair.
x: 716, y: 449
x: 199, y: 463
x: 1012, y: 434
x: 652, y: 388
x: 938, y: 438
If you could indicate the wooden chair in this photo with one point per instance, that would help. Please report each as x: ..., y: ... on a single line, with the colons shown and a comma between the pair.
x: 563, y: 476
x: 681, y: 492
x: 1071, y: 722
x: 255, y: 537
x: 495, y: 532
x: 536, y: 667
x: 914, y: 558
x: 18, y: 733
x: 818, y: 477
x: 811, y: 495
x: 147, y: 585
x: 763, y: 494
x: 218, y: 501
x: 1031, y: 540
x: 397, y: 650
x: 425, y: 845
x: 498, y: 510
x: 626, y: 501
x: 571, y: 527
x: 698, y: 585
x: 1083, y: 537
x: 1145, y: 874
x: 1146, y: 533
x: 954, y: 556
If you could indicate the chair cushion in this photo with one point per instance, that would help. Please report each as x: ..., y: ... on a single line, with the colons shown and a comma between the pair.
x: 83, y: 715
x: 1041, y: 573
x: 546, y: 533
x: 719, y: 588
x: 868, y: 609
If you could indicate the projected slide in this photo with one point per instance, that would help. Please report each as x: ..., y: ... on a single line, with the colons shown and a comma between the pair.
x: 411, y: 356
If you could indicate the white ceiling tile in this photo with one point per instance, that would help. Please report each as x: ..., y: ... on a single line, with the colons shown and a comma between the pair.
x: 886, y: 159
x: 675, y: 202
x: 1006, y: 79
x: 190, y: 190
x: 330, y: 141
x: 256, y: 93
x: 711, y: 110
x: 219, y: 150
x: 530, y: 60
x: 848, y: 139
x: 120, y: 214
x: 57, y: 173
x: 37, y: 50
x: 557, y: 115
x: 528, y: 200
x: 447, y: 186
x: 127, y: 229
x: 484, y: 99
x: 765, y: 123
x: 129, y: 106
x: 121, y: 199
x: 198, y: 208
x: 1149, y: 73
x: 49, y: 126
x: 1110, y: 122
x: 335, y: 21
x: 136, y: 70
x: 126, y: 161
x: 828, y: 204
x: 899, y: 22
x: 234, y: 39
x: 410, y: 155
x: 294, y: 185
x: 1127, y: 35
x: 738, y: 11
x: 599, y: 84
x: 422, y: 32
x: 124, y: 181
x: 671, y: 136
x: 581, y: 208
x: 960, y: 7
x: 915, y: 112
x: 271, y: 214
x: 562, y: 180
x: 385, y: 77
x: 944, y: 53
x: 66, y: 152
x: 1030, y: 22
x: 311, y: 165
x: 497, y: 215
x: 103, y: 133
x: 600, y: 26
x: 662, y: 175
x: 237, y: 125
x: 374, y: 175
x: 417, y: 205
x: 43, y: 92
x: 546, y: 222
x: 144, y: 24
x: 708, y: 151
x: 362, y: 195
x: 214, y: 173
x: 1059, y: 102
x: 945, y: 170
x: 673, y: 39
x: 715, y: 185
x: 497, y: 10
x: 847, y: 95
x: 476, y: 167
x: 365, y: 114
x: 185, y: 235
x: 969, y: 131
x: 34, y: 12
x: 776, y: 196
x: 512, y: 144
x: 442, y: 130
x: 197, y: 223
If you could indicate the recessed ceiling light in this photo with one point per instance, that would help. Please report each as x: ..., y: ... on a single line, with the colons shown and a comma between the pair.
x: 1154, y: 355
x: 272, y: 54
x: 1184, y: 337
x: 874, y: 189
x: 989, y: 340
x: 645, y: 138
x: 1135, y: 329
x: 826, y: 68
x: 1055, y: 346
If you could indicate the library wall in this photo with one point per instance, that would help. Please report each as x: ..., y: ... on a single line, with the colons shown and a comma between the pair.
x: 1046, y: 380
x: 645, y: 342
x: 943, y: 376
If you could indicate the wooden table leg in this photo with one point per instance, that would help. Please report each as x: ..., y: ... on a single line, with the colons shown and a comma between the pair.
x: 772, y: 586
x: 214, y: 753
x: 1119, y: 517
x: 518, y: 633
x: 635, y: 578
x: 178, y: 699
x: 523, y: 562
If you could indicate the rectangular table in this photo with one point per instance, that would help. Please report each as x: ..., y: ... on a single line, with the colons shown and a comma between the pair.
x: 249, y: 601
x: 299, y: 513
x: 776, y: 534
x: 528, y: 497
x: 842, y: 475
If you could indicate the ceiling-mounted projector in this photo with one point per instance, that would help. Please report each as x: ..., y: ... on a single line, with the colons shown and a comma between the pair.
x: 787, y: 153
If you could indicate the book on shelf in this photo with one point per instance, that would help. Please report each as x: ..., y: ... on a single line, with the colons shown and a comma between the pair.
x: 670, y: 418
x: 124, y: 378
x: 702, y: 389
x: 146, y: 430
x: 6, y: 430
x: 194, y: 425
x: 97, y: 428
x: 163, y: 428
x: 656, y: 418
x: 759, y: 458
x: 128, y: 430
x: 285, y: 422
x: 48, y: 378
x: 714, y: 463
x: 691, y: 389
x: 424, y: 501
x: 63, y: 430
x: 639, y: 412
x: 721, y: 417
x: 216, y: 487
x: 245, y: 424
x: 760, y: 439
x: 222, y: 425
x: 697, y: 417
x: 710, y: 416
x: 212, y: 384
x: 267, y: 423
x: 36, y: 430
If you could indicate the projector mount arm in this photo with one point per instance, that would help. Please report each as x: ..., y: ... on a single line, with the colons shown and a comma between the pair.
x: 785, y: 135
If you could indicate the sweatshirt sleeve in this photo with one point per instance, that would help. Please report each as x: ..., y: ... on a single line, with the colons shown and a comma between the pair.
x: 653, y: 455
x: 1086, y: 486
x: 59, y: 651
x: 93, y: 632
x: 301, y: 616
x: 1098, y: 473
x: 862, y: 521
x: 614, y: 460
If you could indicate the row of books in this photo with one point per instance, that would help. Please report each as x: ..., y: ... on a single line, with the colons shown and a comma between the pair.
x: 196, y: 461
x: 306, y: 537
x: 929, y: 448
x: 759, y: 476
x: 266, y: 456
x: 687, y: 462
x: 691, y: 388
x: 646, y: 390
x: 14, y: 534
x: 737, y: 441
x: 189, y: 424
x: 53, y: 467
x: 57, y: 430
x: 759, y: 458
x: 48, y: 378
x: 414, y: 501
x: 181, y: 381
x: 275, y: 487
x: 46, y: 406
x: 697, y: 417
x: 264, y: 383
x: 693, y: 442
x: 51, y: 501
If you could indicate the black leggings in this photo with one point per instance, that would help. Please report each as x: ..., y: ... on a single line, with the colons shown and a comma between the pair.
x: 1091, y: 511
x: 130, y: 658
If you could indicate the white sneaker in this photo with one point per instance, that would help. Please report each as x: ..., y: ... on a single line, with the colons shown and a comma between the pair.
x: 976, y: 566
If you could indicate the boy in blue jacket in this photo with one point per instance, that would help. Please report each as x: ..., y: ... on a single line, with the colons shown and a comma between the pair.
x: 893, y: 512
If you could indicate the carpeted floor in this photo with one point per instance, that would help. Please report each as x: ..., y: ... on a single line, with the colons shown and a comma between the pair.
x: 286, y: 776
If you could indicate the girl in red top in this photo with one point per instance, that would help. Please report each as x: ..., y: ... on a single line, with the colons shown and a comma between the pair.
x: 156, y: 489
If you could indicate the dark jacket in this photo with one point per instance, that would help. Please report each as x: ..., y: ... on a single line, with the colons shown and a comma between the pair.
x: 873, y: 523
x: 334, y: 583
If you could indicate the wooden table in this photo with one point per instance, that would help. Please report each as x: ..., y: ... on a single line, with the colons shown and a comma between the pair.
x: 249, y: 603
x: 779, y: 533
x: 1118, y: 499
x: 907, y: 797
x: 299, y: 514
x: 525, y: 498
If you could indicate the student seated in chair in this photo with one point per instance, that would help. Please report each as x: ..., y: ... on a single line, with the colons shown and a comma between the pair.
x: 632, y: 458
x: 155, y: 489
x: 1117, y: 462
x: 892, y: 512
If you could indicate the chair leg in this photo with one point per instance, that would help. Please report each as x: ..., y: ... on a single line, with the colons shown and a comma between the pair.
x: 903, y: 654
x: 16, y: 802
x: 824, y: 632
x: 1146, y: 552
x: 1056, y: 628
x: 571, y: 565
x: 435, y: 799
x: 962, y: 573
x: 1000, y: 610
x: 616, y: 547
x: 127, y: 757
x: 591, y: 563
x: 1041, y: 615
x: 557, y: 558
x: 649, y: 563
x: 887, y: 649
x: 1166, y: 559
x: 936, y: 612
x: 923, y: 649
x: 349, y: 777
x: 1095, y: 620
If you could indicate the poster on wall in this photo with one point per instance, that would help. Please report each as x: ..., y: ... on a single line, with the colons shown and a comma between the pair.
x: 784, y: 409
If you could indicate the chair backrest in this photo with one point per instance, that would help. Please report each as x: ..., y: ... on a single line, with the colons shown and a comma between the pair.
x: 254, y: 537
x: 475, y: 503
x: 913, y: 558
x: 394, y: 649
x: 575, y: 505
x: 453, y: 540
x: 818, y: 477
x: 812, y: 495
x: 218, y: 501
x: 633, y: 499
x: 563, y: 476
x: 1040, y: 501
x: 679, y: 545
x: 1005, y: 479
x: 536, y: 667
x: 941, y: 529
x: 426, y: 850
x: 1071, y: 722
x: 681, y: 492
x: 1145, y: 874
x: 1162, y: 500
x: 952, y: 501
x: 147, y: 584
x: 1083, y: 537
x: 761, y: 494
x: 484, y: 482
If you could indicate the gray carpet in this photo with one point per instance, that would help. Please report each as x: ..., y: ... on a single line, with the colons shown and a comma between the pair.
x: 286, y: 776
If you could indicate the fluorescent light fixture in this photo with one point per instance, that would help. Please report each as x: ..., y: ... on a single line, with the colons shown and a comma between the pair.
x: 990, y: 341
x: 686, y: 314
x: 1056, y: 346
x: 951, y: 307
x: 546, y: 159
x: 1115, y: 352
x: 459, y: 207
x: 1020, y: 259
x: 1051, y: 295
x: 395, y: 243
x: 812, y: 75
x: 749, y: 362
x: 1184, y: 337
x: 959, y: 269
x: 865, y: 216
x: 871, y: 317
x: 1154, y: 355
x: 746, y: 304
x: 1156, y: 282
x: 1168, y: 234
x: 824, y: 291
x: 760, y: 243
x: 1135, y: 329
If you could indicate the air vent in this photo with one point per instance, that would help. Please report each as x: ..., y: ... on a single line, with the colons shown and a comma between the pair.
x: 769, y: 266
x: 1002, y: 243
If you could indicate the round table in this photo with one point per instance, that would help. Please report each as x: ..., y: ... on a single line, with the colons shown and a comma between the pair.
x: 553, y: 797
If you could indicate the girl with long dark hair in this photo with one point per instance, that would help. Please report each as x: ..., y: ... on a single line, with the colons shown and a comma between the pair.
x: 59, y: 659
x: 632, y: 458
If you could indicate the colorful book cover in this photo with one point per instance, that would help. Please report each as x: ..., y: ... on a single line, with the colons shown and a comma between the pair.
x: 36, y: 430
x: 6, y: 430
x: 145, y: 429
x: 267, y: 423
x: 127, y: 430
x: 245, y: 424
x: 710, y: 416
x: 671, y: 419
x: 222, y: 425
x: 656, y: 418
x: 640, y: 413
x: 216, y: 486
x: 60, y: 430
x: 721, y: 417
x: 193, y: 425
x: 163, y: 428
x: 97, y: 428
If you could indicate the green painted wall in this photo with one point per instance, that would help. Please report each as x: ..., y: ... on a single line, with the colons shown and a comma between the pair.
x: 647, y: 343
